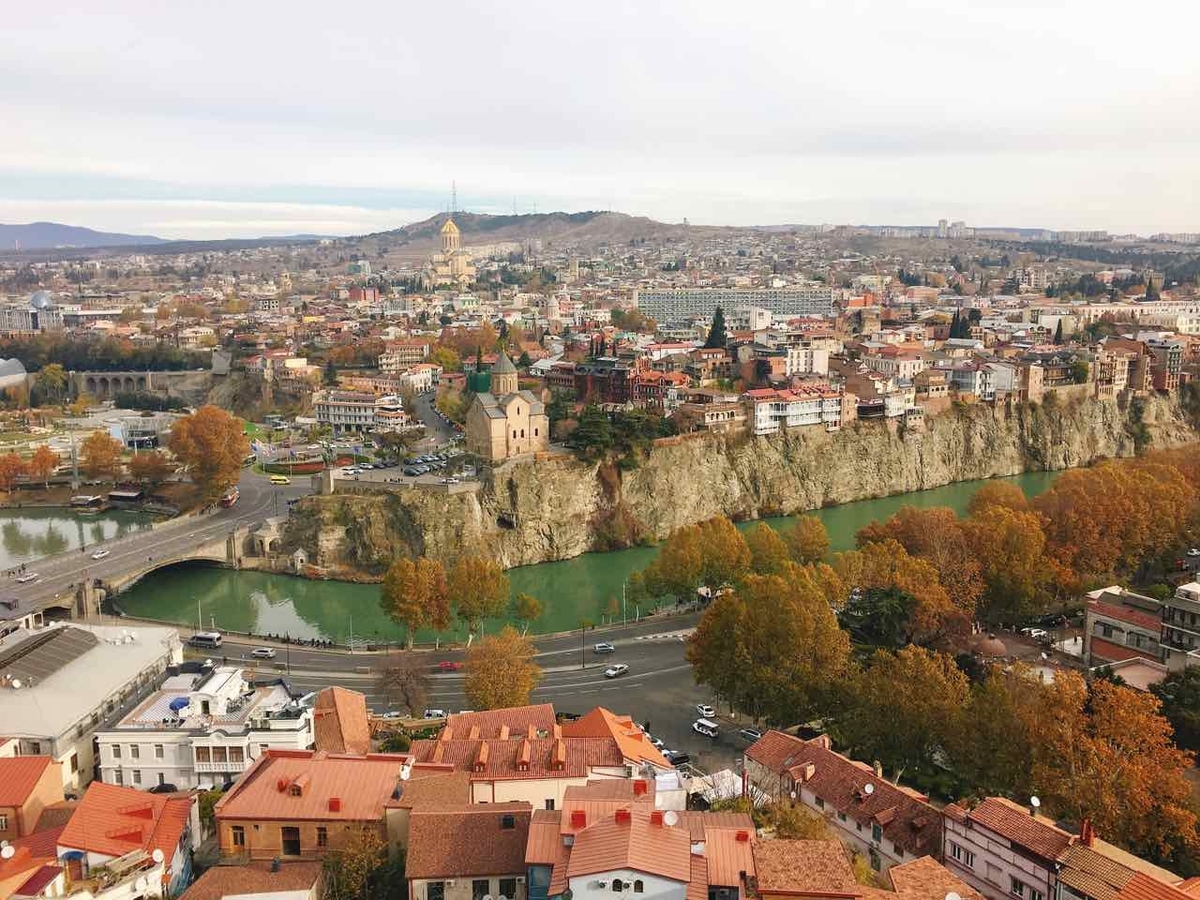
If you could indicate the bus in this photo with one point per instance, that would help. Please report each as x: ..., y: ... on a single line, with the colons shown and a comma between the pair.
x: 205, y: 640
x: 231, y: 497
x: 280, y: 479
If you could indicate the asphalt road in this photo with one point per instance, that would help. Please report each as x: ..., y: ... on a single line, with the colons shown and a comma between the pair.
x: 437, y: 431
x: 57, y: 574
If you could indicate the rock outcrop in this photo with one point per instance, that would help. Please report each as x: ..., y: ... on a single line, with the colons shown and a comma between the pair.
x: 556, y: 508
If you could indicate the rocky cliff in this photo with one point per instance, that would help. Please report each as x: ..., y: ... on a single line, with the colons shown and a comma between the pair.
x: 556, y: 508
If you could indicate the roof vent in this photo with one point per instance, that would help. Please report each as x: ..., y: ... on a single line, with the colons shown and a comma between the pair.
x: 335, y: 804
x: 578, y: 818
x: 281, y: 785
x: 743, y: 836
x: 656, y: 817
x: 623, y: 817
x: 639, y: 787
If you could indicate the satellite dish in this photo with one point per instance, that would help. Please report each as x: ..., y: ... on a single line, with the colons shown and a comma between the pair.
x: 405, y: 772
x: 1035, y: 802
x: 158, y: 856
x: 793, y: 795
x: 16, y: 683
x: 953, y: 896
x: 670, y: 818
x: 8, y: 851
x: 868, y: 789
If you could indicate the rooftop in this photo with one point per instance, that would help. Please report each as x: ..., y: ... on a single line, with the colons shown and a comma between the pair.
x: 468, y: 840
x: 804, y: 867
x: 19, y: 775
x: 112, y: 820
x: 256, y: 877
x: 340, y: 722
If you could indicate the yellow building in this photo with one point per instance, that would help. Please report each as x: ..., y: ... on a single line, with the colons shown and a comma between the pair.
x: 506, y: 422
x: 454, y: 264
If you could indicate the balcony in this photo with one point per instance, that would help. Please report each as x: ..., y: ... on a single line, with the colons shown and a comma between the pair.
x: 230, y: 766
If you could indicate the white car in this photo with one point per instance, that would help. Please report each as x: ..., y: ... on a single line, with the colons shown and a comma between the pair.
x: 705, y: 711
x: 615, y: 671
x: 100, y: 554
x: 1195, y: 551
x: 26, y: 579
x: 1038, y: 634
x: 263, y: 652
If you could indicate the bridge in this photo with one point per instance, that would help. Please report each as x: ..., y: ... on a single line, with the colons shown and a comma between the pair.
x: 106, y: 385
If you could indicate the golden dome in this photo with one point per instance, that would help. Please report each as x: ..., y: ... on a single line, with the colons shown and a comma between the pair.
x: 449, y: 227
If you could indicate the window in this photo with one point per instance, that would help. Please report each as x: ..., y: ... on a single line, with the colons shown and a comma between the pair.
x: 875, y: 862
x: 220, y: 755
x: 137, y: 776
x: 435, y: 890
x: 618, y: 885
x: 1036, y: 895
x: 162, y: 779
x: 480, y: 888
x: 535, y: 432
x: 898, y: 850
x: 820, y: 803
x: 3, y: 822
x: 876, y: 832
x: 549, y: 804
x: 289, y: 838
x: 962, y: 855
x: 116, y: 751
x: 508, y: 823
x: 135, y: 752
x: 203, y: 754
x: 119, y: 777
x: 237, y: 835
x: 158, y: 751
x: 508, y: 888
x: 858, y: 826
x: 1019, y: 888
x: 236, y: 755
x: 35, y: 748
x: 638, y: 886
x: 74, y: 763
x: 841, y: 817
x: 322, y: 836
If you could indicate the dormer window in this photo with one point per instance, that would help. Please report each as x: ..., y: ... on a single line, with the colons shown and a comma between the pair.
x: 295, y: 790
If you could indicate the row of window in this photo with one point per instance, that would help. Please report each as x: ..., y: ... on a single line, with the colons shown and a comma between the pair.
x: 1016, y: 887
x: 135, y: 777
x: 480, y: 888
x: 220, y: 754
x: 135, y: 751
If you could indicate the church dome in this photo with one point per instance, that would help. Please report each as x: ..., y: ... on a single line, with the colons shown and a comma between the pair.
x: 450, y: 227
x: 41, y: 300
x: 504, y: 365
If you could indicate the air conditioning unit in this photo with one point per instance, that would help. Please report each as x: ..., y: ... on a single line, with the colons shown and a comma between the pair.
x: 520, y: 879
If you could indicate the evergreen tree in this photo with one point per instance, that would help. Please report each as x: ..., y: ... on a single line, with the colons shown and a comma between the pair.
x: 330, y: 373
x: 716, y: 334
x: 1058, y: 333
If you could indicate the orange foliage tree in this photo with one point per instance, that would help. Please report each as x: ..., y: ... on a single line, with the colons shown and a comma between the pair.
x: 43, y: 464
x: 11, y: 466
x: 212, y: 444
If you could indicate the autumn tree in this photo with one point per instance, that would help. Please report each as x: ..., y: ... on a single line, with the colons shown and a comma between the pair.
x: 769, y: 553
x: 212, y: 444
x: 42, y: 465
x: 526, y: 609
x: 902, y: 707
x: 414, y: 594
x: 405, y: 679
x: 808, y: 540
x: 100, y: 454
x: 710, y: 553
x: 51, y: 382
x: 500, y: 671
x: 150, y: 468
x: 771, y: 647
x: 350, y: 865
x: 1011, y: 549
x: 790, y: 821
x: 478, y: 589
x: 998, y: 493
x: 11, y: 466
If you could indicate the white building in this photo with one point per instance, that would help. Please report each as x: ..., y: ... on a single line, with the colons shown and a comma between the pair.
x: 809, y: 360
x: 345, y: 410
x: 771, y: 410
x: 687, y: 303
x: 61, y: 683
x: 202, y: 729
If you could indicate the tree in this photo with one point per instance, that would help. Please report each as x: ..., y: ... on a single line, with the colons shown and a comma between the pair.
x: 349, y: 867
x: 879, y: 616
x: 903, y: 707
x: 1058, y: 332
x: 500, y: 671
x: 792, y: 821
x: 406, y: 679
x: 1179, y: 695
x: 51, y: 381
x: 478, y: 589
x: 150, y: 468
x: 1010, y: 547
x: 709, y: 553
x: 716, y: 333
x: 526, y: 609
x: 100, y: 454
x: 808, y: 540
x: 11, y: 466
x: 769, y: 553
x: 212, y: 444
x: 414, y: 594
x: 447, y: 358
x: 42, y: 465
x: 330, y: 376
x: 998, y: 493
x: 593, y: 436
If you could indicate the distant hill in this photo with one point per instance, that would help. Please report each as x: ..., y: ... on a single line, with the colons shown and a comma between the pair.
x: 47, y: 235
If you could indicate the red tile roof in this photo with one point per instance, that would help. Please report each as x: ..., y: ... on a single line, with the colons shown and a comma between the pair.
x: 19, y: 775
x: 1013, y: 822
x: 544, y: 846
x: 812, y: 868
x: 112, y: 820
x: 467, y: 841
x: 728, y: 852
x: 255, y: 877
x: 38, y: 881
x: 600, y: 722
x: 515, y: 759
x: 517, y: 718
x: 340, y: 722
x: 927, y: 879
x: 1123, y: 613
x: 362, y: 784
x: 1114, y: 652
x: 1143, y: 887
x: 634, y: 843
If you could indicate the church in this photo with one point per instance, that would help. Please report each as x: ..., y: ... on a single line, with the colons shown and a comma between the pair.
x: 454, y: 264
x: 506, y: 422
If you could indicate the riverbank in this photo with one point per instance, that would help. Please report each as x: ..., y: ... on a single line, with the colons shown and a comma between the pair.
x: 558, y: 508
x: 30, y: 533
x: 572, y: 591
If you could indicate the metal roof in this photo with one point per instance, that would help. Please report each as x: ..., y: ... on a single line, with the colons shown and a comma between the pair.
x: 42, y: 656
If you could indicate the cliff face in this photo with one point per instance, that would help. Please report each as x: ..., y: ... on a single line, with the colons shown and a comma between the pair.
x: 558, y: 508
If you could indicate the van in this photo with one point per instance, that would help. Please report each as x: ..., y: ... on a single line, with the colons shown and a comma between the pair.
x: 706, y: 727
x: 435, y: 714
x: 205, y: 640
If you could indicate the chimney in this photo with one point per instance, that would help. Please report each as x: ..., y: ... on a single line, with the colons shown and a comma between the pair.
x: 281, y: 785
x: 878, y: 769
x: 623, y: 817
x: 504, y: 732
x: 743, y: 836
x: 1087, y: 835
x: 656, y: 817
x: 578, y: 818
x: 639, y: 787
x: 335, y: 804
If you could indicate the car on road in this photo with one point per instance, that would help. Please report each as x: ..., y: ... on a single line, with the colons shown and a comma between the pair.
x: 263, y: 652
x: 677, y: 757
x: 435, y: 714
x: 706, y: 711
x: 658, y: 743
x: 100, y: 554
x: 392, y: 714
x: 604, y: 647
x: 26, y: 579
x: 750, y: 734
x: 616, y: 671
x: 449, y: 665
x: 1195, y: 551
x: 706, y: 727
x: 1038, y: 634
x: 280, y: 479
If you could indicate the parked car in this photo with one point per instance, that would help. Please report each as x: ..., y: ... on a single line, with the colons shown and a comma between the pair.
x: 263, y: 652
x: 1195, y: 551
x: 705, y: 711
x: 750, y: 734
x: 677, y: 757
x: 604, y: 647
x: 100, y: 554
x: 706, y: 727
x: 435, y: 714
x: 1038, y: 634
x: 449, y: 665
x: 616, y: 671
x: 26, y: 579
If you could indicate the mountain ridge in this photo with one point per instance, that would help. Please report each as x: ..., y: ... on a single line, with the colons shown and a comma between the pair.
x: 54, y: 235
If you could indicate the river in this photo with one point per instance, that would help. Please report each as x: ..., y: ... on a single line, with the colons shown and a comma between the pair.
x: 27, y: 535
x: 571, y: 590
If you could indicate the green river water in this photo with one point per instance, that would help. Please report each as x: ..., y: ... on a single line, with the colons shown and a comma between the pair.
x: 29, y: 534
x: 571, y: 590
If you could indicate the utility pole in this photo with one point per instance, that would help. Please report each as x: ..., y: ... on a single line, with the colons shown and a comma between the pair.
x: 582, y: 645
x: 624, y: 620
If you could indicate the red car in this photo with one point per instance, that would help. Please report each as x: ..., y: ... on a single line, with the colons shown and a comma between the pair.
x: 449, y: 665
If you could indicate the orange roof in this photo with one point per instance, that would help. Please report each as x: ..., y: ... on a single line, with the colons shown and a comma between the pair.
x: 927, y: 879
x: 468, y: 840
x: 633, y: 843
x: 340, y: 722
x: 517, y: 718
x: 255, y: 877
x: 1036, y: 834
x: 1143, y: 887
x: 812, y: 868
x: 544, y: 846
x: 510, y: 759
x: 112, y: 820
x: 728, y: 852
x: 632, y: 742
x: 19, y: 775
x: 299, y: 784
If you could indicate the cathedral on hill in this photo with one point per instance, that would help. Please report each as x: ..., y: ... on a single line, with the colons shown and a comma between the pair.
x: 454, y: 264
x: 506, y: 422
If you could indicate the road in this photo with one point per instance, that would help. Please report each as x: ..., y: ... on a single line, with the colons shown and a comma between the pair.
x: 437, y: 431
x: 58, y: 574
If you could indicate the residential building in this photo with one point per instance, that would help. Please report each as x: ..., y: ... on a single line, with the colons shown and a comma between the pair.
x: 1092, y: 869
x: 468, y: 852
x: 1166, y: 363
x: 809, y: 360
x: 345, y: 411
x: 711, y: 410
x: 770, y: 411
x: 700, y: 303
x: 28, y: 785
x: 196, y: 337
x: 401, y: 355
x: 261, y: 880
x: 1004, y: 850
x: 605, y: 379
x: 61, y: 683
x: 202, y: 728
x: 295, y: 803
x: 894, y: 362
x: 1181, y: 626
x: 885, y: 822
x: 506, y: 422
x: 1120, y: 625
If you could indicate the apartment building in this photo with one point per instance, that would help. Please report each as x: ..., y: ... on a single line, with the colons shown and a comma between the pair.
x: 770, y: 411
x: 401, y: 355
x: 1119, y: 625
x: 671, y: 305
x: 1004, y: 850
x: 1166, y: 363
x: 202, y: 729
x: 1181, y: 627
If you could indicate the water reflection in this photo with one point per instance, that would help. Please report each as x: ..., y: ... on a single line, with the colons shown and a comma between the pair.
x: 30, y: 534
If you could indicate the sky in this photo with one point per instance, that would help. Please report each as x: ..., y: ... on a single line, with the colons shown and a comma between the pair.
x: 235, y: 119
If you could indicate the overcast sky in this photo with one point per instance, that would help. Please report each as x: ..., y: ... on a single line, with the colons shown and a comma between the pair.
x: 253, y: 118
